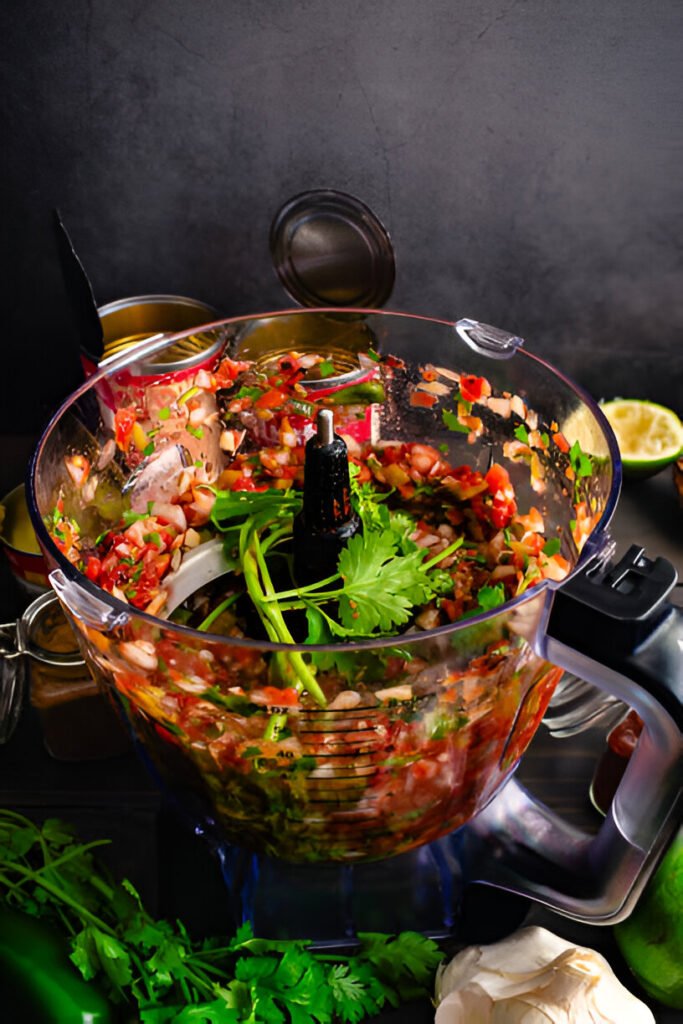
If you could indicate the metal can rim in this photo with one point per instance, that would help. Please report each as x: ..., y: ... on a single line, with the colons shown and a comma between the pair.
x: 155, y: 370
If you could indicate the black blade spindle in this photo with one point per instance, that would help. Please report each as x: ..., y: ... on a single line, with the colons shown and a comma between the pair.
x: 327, y: 519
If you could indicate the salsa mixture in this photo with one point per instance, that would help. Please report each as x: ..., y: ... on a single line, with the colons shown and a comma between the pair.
x: 334, y: 753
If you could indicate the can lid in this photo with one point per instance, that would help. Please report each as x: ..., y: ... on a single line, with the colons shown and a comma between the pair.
x: 329, y: 249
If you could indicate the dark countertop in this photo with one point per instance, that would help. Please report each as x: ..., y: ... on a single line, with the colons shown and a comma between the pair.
x: 116, y: 798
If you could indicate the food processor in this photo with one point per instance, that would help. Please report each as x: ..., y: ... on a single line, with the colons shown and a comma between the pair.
x: 401, y: 782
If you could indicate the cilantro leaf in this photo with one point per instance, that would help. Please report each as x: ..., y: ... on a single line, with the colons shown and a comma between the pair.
x: 379, y: 589
x: 352, y: 993
x: 581, y: 463
x: 402, y: 524
x: 57, y: 832
x: 326, y: 368
x: 402, y: 960
x: 368, y: 503
x: 491, y: 597
x: 94, y: 951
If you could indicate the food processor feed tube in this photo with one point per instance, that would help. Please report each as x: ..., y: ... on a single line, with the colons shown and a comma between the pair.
x: 488, y: 484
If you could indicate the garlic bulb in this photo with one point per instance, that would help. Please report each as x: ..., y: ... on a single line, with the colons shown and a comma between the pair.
x: 534, y: 977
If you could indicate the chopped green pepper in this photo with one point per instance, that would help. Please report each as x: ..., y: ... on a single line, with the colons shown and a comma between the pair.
x: 358, y: 394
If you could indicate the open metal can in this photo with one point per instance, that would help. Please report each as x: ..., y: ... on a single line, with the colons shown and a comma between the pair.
x: 130, y: 321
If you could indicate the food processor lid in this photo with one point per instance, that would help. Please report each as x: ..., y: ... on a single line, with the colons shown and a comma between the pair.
x: 330, y: 249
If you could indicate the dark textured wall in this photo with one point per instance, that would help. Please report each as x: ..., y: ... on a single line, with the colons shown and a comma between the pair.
x: 526, y: 158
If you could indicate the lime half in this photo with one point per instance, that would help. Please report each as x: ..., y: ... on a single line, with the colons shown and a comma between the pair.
x: 649, y: 436
x: 651, y: 939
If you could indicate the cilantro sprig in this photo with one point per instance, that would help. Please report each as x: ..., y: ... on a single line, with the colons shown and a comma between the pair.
x: 377, y: 586
x: 158, y: 969
x: 381, y: 574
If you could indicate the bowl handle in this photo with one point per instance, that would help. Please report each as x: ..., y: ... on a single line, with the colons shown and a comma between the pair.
x: 486, y: 340
x: 613, y: 627
x: 85, y: 607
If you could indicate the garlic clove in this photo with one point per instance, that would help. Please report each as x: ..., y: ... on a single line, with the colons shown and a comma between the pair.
x: 534, y: 977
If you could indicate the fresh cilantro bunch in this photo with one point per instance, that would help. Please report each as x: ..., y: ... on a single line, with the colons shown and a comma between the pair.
x: 156, y: 968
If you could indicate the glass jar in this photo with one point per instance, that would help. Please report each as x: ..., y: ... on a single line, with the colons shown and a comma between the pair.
x: 77, y: 720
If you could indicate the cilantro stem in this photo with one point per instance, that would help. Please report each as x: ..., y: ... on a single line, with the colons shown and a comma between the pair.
x: 259, y: 584
x: 304, y: 591
x: 54, y: 890
x: 74, y: 851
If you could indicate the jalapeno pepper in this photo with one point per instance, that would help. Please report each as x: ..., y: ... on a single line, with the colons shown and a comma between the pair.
x: 37, y: 979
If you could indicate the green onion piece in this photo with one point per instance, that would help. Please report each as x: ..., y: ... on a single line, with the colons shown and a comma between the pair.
x: 203, y: 627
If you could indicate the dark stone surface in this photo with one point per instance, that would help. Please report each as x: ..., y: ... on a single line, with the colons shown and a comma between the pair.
x: 524, y: 156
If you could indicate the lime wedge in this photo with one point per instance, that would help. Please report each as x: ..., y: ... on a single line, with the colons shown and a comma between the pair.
x: 649, y: 436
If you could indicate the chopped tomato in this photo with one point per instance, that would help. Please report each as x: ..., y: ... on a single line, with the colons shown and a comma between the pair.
x: 124, y: 421
x: 561, y: 442
x: 93, y: 567
x: 500, y: 507
x: 228, y: 371
x: 423, y: 399
x: 288, y: 697
x: 473, y: 389
x: 271, y: 399
x: 247, y: 483
x: 498, y: 480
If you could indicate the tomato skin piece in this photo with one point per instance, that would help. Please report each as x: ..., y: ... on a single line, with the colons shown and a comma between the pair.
x: 166, y: 735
